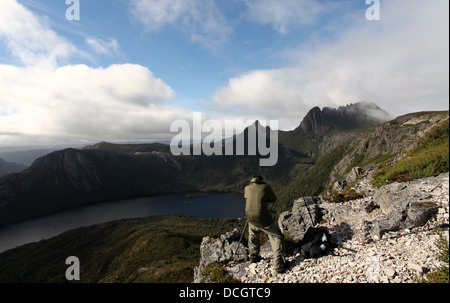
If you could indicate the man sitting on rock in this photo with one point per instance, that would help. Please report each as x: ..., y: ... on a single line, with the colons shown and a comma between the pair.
x: 258, y: 194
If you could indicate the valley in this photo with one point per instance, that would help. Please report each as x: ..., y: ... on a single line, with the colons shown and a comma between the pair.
x: 312, y: 161
x: 106, y: 172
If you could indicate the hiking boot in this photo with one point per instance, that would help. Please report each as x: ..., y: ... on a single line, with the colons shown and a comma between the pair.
x: 282, y: 269
x: 255, y: 259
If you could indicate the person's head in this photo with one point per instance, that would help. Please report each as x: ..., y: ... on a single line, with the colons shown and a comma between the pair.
x: 257, y: 179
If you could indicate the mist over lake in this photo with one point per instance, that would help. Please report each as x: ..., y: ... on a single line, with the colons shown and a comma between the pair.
x: 218, y: 205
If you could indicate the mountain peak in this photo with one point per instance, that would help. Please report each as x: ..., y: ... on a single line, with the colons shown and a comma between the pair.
x: 355, y: 115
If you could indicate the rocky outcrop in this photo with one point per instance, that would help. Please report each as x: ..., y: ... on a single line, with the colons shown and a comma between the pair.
x: 399, y: 258
x: 227, y: 251
x: 390, y: 243
x: 397, y: 196
x: 222, y: 250
x: 305, y: 213
x: 414, y: 215
x: 352, y: 177
x: 410, y: 204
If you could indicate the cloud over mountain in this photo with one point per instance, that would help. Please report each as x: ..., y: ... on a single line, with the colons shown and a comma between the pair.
x: 127, y: 69
x: 400, y: 63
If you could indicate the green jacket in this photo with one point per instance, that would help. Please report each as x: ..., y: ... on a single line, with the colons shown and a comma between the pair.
x: 257, y: 198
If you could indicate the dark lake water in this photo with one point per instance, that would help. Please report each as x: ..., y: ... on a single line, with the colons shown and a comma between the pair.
x: 218, y: 205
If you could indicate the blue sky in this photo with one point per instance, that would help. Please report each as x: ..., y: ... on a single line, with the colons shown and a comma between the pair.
x: 127, y: 69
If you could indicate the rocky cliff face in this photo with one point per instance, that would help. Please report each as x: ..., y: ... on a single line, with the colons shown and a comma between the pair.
x: 104, y: 172
x: 352, y: 116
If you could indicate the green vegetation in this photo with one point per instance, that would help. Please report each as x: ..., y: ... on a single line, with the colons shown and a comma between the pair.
x: 429, y: 158
x: 441, y: 273
x: 289, y: 245
x: 217, y: 274
x: 151, y: 250
x: 380, y: 159
x: 344, y: 196
x: 312, y: 182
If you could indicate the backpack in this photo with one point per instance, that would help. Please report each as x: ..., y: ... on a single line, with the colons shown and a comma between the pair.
x: 315, y: 243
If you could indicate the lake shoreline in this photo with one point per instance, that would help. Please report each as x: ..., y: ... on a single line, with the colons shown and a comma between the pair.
x: 195, y: 193
x: 214, y: 205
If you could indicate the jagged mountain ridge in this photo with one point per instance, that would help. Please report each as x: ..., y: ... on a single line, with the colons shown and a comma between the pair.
x: 129, y: 241
x: 106, y: 172
x: 352, y: 116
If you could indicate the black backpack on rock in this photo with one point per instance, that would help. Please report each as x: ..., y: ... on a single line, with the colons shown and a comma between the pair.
x: 315, y: 243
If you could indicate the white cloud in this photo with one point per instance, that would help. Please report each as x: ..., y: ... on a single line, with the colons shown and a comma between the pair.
x: 287, y: 14
x: 262, y: 91
x: 201, y: 20
x: 400, y: 63
x: 155, y: 14
x: 30, y: 38
x: 121, y: 102
x: 102, y: 47
x: 45, y: 102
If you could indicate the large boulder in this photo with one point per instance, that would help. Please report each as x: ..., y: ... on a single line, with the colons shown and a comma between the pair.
x: 220, y: 250
x: 390, y: 222
x: 416, y: 214
x: 305, y: 213
x: 354, y: 174
x: 409, y: 204
x: 397, y: 196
